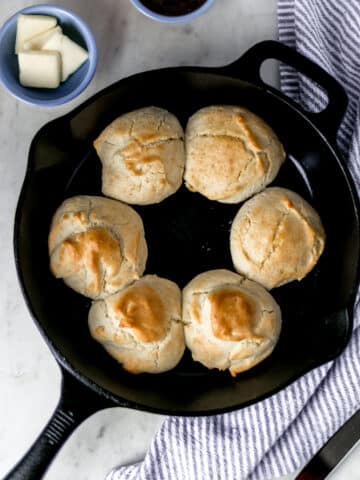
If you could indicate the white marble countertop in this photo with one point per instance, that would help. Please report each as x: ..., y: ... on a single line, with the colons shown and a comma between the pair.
x: 29, y: 377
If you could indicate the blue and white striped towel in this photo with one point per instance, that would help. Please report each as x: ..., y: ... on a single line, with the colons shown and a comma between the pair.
x: 280, y: 434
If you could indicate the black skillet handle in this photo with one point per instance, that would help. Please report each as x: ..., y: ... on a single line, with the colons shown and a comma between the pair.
x: 77, y: 402
x: 248, y: 68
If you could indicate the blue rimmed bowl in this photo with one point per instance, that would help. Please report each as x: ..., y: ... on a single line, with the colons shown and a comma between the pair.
x: 76, y: 29
x: 171, y: 18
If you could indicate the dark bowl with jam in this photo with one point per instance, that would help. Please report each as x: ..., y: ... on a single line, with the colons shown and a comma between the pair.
x: 172, y: 11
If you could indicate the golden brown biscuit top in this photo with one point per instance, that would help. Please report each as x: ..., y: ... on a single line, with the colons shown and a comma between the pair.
x: 282, y: 225
x: 93, y: 249
x: 232, y: 314
x: 230, y: 150
x: 249, y: 134
x: 78, y: 219
x: 142, y: 310
x: 79, y: 216
x: 137, y: 165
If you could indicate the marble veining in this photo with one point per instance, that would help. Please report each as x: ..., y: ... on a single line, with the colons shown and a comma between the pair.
x: 29, y: 377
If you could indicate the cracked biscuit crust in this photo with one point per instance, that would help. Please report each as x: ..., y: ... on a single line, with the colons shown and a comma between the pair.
x: 96, y: 245
x: 141, y: 326
x: 230, y: 153
x: 276, y: 237
x: 231, y: 323
x: 142, y: 155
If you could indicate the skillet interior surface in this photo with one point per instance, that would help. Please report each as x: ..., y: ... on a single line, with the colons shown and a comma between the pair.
x: 186, y: 235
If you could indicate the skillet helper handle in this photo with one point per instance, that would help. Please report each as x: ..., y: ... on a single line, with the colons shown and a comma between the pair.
x: 77, y: 402
x: 248, y: 68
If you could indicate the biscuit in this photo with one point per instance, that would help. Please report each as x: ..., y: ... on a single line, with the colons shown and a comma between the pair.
x: 231, y: 153
x: 96, y: 245
x: 231, y: 323
x: 276, y: 237
x: 141, y: 325
x: 142, y: 155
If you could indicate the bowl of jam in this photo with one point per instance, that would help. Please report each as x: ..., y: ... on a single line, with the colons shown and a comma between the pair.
x: 172, y: 11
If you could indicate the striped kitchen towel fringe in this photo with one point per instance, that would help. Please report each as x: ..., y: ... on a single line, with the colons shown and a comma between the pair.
x: 281, y: 433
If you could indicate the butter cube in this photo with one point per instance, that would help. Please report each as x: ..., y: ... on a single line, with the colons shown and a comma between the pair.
x: 40, y: 69
x: 38, y: 41
x: 30, y: 25
x: 53, y: 42
x: 72, y: 55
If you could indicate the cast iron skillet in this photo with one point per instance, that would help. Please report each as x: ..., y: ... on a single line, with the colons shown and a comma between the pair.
x: 317, y: 312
